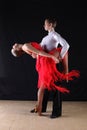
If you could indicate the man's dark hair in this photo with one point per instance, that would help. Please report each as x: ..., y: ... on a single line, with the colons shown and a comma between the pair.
x: 52, y: 20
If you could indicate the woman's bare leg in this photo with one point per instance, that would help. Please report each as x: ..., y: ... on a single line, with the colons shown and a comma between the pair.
x: 29, y: 49
x: 40, y: 99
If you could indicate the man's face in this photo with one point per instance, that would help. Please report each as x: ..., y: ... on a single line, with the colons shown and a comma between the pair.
x: 47, y: 25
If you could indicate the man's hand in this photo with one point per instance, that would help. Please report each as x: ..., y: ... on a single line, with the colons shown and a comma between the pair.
x: 55, y: 59
x: 60, y: 58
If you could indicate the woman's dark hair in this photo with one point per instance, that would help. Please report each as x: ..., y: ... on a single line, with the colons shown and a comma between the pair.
x: 52, y: 20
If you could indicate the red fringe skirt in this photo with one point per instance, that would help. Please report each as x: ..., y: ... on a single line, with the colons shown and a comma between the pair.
x: 48, y: 73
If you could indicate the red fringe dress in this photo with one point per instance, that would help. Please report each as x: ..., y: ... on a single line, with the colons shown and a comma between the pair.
x: 48, y: 73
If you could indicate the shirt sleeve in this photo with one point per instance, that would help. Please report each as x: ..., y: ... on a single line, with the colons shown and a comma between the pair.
x: 64, y: 44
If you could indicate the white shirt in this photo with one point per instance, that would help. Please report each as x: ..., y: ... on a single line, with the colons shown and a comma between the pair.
x: 52, y: 40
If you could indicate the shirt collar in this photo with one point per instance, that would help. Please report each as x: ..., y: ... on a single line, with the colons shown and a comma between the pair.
x: 51, y: 32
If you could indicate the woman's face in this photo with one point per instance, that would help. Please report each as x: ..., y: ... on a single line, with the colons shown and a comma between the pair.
x: 47, y: 25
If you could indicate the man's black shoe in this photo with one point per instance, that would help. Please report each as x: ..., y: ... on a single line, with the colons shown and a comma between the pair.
x: 55, y: 116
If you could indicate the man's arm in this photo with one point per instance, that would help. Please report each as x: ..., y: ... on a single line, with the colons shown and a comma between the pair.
x: 65, y: 47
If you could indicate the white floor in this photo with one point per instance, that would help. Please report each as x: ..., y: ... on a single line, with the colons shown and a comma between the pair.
x: 15, y: 115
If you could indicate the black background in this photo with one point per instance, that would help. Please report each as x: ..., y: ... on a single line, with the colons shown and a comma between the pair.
x: 22, y: 21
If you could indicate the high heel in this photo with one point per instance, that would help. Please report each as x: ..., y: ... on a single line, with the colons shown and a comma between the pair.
x: 34, y: 110
x: 37, y: 109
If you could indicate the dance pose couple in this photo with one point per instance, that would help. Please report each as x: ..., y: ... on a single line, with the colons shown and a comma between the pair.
x: 48, y: 54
